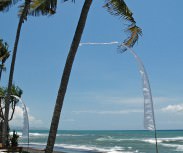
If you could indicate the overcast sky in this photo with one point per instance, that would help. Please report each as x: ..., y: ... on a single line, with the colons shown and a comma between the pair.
x: 105, y: 89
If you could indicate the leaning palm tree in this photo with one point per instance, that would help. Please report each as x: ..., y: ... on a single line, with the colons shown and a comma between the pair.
x: 115, y: 7
x: 7, y: 99
x: 4, y: 55
x: 46, y: 7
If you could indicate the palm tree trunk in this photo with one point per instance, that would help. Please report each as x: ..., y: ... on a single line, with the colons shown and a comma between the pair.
x: 22, y: 17
x: 66, y: 75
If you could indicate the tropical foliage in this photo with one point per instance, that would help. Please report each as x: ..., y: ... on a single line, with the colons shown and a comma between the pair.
x: 27, y: 8
x: 120, y: 9
x: 4, y: 55
x: 15, y: 90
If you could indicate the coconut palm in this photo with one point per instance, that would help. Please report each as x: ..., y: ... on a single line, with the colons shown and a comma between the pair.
x: 4, y: 55
x: 15, y: 90
x: 43, y: 6
x: 7, y: 99
x: 114, y: 7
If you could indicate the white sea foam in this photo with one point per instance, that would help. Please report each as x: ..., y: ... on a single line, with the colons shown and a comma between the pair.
x: 19, y: 133
x: 172, y: 139
x: 152, y: 141
x: 71, y: 135
x: 176, y: 146
x: 162, y: 140
x: 166, y: 142
x: 46, y: 134
x: 38, y: 134
x: 109, y: 138
x: 116, y: 149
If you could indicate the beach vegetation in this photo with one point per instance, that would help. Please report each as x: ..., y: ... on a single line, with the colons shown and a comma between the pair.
x: 29, y: 7
x: 14, y: 139
x: 4, y: 55
x: 15, y: 90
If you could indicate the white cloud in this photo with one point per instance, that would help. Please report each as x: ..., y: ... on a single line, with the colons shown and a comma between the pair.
x: 133, y: 100
x: 173, y: 108
x: 17, y: 120
x: 120, y: 112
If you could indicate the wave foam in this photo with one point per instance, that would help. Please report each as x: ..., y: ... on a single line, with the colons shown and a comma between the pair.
x: 116, y: 149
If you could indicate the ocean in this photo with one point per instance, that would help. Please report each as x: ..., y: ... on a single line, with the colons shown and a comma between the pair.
x: 135, y: 141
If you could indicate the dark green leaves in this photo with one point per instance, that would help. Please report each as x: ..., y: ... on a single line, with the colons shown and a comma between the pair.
x: 4, y: 53
x: 15, y: 90
x: 6, y: 4
x: 119, y: 8
x: 43, y: 7
x: 40, y: 7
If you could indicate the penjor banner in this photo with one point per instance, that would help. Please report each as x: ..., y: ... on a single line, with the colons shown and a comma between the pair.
x: 149, y: 121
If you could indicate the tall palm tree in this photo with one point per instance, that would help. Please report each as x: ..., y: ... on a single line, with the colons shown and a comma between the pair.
x: 4, y: 55
x: 43, y: 6
x: 7, y: 99
x: 115, y: 7
x: 65, y: 76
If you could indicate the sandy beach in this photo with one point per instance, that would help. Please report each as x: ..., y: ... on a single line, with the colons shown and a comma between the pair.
x: 34, y: 150
x: 30, y: 150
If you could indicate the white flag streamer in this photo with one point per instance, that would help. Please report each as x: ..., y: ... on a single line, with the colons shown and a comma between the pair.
x: 149, y: 120
x: 102, y: 43
x: 25, y: 129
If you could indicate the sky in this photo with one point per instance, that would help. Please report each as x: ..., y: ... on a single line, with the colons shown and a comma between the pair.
x: 105, y: 88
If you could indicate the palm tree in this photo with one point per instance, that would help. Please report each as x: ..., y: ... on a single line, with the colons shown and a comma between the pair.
x: 115, y: 7
x: 4, y: 55
x: 7, y: 99
x: 15, y: 90
x: 43, y: 6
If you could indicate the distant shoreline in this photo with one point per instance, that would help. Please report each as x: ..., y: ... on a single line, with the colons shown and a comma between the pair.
x: 19, y: 129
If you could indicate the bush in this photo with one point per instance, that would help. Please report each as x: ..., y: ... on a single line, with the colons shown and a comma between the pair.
x: 14, y: 139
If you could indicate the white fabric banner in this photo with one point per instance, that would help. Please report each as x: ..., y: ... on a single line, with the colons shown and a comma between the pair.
x: 149, y: 120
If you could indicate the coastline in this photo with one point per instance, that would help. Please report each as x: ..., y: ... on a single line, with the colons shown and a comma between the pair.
x: 35, y: 150
x: 31, y: 150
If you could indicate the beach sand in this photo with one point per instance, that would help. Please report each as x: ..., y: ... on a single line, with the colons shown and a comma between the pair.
x: 33, y: 150
x: 30, y: 150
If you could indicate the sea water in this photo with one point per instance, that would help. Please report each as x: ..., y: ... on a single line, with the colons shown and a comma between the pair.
x: 169, y: 141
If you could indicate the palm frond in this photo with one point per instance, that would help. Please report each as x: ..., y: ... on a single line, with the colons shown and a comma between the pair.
x: 6, y: 4
x: 16, y: 90
x: 119, y: 8
x: 2, y: 91
x: 4, y: 52
x: 134, y: 33
x: 3, y: 67
x: 41, y: 7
